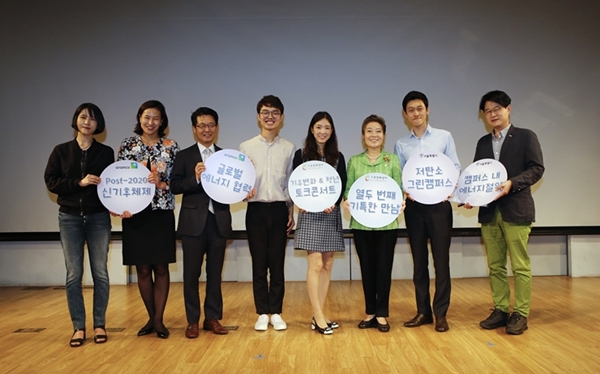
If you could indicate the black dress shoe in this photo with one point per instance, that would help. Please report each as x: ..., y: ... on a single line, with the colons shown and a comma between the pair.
x: 441, y: 325
x: 382, y: 327
x: 420, y: 319
x: 368, y: 324
x: 146, y: 330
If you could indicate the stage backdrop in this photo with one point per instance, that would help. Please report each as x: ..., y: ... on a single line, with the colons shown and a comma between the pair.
x: 350, y: 58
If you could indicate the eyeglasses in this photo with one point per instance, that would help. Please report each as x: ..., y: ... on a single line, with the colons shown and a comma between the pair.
x: 494, y: 110
x: 210, y: 126
x: 272, y: 113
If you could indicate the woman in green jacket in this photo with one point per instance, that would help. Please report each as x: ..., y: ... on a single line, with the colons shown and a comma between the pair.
x: 374, y: 246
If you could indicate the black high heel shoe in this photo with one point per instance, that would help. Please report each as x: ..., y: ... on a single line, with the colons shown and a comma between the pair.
x: 325, y: 331
x: 332, y: 324
x: 100, y: 338
x: 77, y: 342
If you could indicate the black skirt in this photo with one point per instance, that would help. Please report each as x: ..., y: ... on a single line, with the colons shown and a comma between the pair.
x: 149, y: 238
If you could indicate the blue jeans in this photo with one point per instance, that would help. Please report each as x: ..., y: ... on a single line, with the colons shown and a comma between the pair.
x: 74, y: 232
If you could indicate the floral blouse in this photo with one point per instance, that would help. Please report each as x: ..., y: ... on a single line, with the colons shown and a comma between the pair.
x: 161, y: 156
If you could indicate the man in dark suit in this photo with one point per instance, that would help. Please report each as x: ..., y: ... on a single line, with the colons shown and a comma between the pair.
x: 506, y: 222
x: 204, y: 225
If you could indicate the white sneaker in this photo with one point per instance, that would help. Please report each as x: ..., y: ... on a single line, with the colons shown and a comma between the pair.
x: 262, y: 323
x: 278, y: 323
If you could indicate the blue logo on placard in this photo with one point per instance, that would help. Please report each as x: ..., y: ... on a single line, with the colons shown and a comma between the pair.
x: 134, y: 165
x: 241, y: 157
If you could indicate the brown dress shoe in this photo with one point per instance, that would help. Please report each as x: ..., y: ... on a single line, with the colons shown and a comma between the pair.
x: 420, y: 319
x: 214, y: 326
x: 441, y: 325
x: 192, y: 331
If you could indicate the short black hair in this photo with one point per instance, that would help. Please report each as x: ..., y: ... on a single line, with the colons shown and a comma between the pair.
x: 204, y: 111
x: 270, y: 101
x: 414, y: 95
x: 94, y: 112
x: 498, y: 97
x: 152, y: 104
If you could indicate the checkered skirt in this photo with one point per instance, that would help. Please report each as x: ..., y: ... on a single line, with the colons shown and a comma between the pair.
x: 320, y: 232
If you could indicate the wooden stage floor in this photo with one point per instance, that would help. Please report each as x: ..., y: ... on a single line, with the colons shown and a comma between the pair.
x: 563, y: 335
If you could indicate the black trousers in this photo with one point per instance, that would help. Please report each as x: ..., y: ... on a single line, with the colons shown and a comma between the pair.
x: 212, y: 244
x: 375, y: 251
x: 266, y: 225
x: 433, y: 223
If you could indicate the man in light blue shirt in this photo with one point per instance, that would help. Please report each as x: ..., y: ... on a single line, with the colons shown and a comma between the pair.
x: 427, y: 222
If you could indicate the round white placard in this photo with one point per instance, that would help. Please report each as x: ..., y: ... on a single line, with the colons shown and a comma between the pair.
x: 429, y: 177
x: 477, y: 183
x: 124, y: 186
x: 375, y: 200
x: 229, y: 176
x: 314, y: 186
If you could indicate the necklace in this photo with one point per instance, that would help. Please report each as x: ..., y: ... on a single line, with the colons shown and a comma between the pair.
x: 373, y: 158
x: 84, y: 145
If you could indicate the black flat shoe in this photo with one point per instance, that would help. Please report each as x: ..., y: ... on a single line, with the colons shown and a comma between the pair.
x: 383, y: 327
x: 325, y: 331
x: 368, y: 324
x: 77, y: 342
x: 162, y: 334
x: 146, y: 330
x: 100, y: 338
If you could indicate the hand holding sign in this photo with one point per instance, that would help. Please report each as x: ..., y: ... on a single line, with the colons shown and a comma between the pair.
x: 89, y: 179
x: 229, y: 176
x: 478, y: 182
x: 429, y: 177
x: 314, y: 186
x: 124, y: 186
x: 375, y: 200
